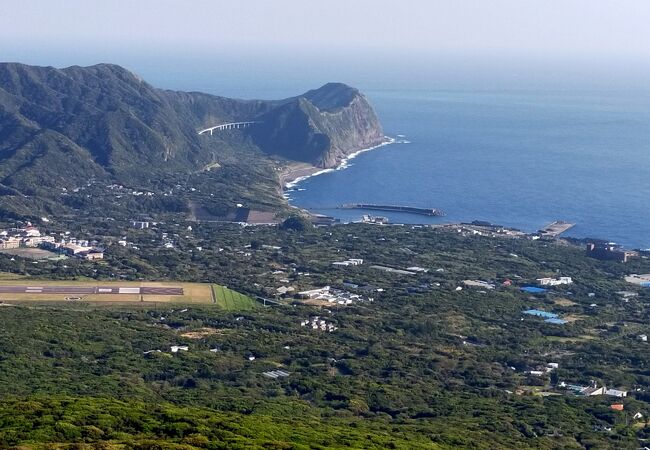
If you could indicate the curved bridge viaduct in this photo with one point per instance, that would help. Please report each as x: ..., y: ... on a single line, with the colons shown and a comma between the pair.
x: 228, y: 126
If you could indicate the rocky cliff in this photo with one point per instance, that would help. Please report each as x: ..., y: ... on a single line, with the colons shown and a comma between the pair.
x: 320, y: 127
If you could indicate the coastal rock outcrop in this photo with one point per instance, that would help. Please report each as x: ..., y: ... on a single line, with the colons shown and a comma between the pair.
x: 321, y: 127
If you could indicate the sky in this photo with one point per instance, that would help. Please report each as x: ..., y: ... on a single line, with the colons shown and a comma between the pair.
x: 350, y: 37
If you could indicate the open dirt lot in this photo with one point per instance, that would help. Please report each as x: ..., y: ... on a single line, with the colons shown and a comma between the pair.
x: 31, y: 253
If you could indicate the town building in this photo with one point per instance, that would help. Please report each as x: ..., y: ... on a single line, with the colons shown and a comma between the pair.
x: 10, y: 242
x: 31, y: 237
x: 314, y: 293
x: 93, y: 255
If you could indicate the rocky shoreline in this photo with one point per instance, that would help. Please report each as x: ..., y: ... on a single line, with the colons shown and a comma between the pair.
x: 294, y: 173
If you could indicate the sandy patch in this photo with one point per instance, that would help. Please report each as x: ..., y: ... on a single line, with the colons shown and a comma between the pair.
x: 564, y: 302
x: 201, y: 333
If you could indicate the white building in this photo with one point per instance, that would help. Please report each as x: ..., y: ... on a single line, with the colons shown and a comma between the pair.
x: 314, y: 293
x: 139, y: 225
x: 616, y: 393
x: 349, y: 262
x: 554, y: 281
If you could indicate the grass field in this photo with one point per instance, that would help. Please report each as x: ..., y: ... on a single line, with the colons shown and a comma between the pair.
x: 232, y: 300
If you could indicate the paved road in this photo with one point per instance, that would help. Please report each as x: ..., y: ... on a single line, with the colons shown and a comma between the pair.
x: 88, y: 290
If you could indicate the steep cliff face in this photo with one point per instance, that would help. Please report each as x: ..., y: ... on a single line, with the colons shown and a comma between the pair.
x: 321, y: 127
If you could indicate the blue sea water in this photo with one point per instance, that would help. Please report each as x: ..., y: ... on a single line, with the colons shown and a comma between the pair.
x: 515, y: 158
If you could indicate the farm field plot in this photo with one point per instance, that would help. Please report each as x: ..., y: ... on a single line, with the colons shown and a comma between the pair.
x: 232, y: 300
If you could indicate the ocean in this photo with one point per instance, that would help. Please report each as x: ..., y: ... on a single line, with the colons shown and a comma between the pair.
x: 515, y: 158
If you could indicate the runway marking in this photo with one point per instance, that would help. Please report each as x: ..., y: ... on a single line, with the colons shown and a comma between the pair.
x: 91, y: 290
x: 129, y: 290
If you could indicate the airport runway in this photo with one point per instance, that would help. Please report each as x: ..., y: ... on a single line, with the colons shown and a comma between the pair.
x: 90, y: 290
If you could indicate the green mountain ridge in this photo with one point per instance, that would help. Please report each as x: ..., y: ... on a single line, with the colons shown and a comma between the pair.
x: 104, y: 124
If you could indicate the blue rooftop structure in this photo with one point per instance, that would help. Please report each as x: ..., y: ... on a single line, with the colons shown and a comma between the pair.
x: 645, y: 284
x: 556, y: 321
x: 547, y: 316
x: 533, y: 289
x: 540, y: 313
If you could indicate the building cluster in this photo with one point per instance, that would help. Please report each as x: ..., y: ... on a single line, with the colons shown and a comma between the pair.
x: 609, y: 251
x: 592, y: 390
x: 167, y: 241
x: 120, y: 191
x: 124, y: 243
x: 379, y: 220
x: 348, y: 262
x: 539, y: 371
x: 30, y: 236
x: 479, y: 228
x: 554, y: 281
x: 316, y: 323
x: 330, y: 295
x: 78, y: 248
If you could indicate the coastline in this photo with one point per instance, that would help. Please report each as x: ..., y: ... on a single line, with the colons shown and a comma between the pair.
x: 295, y: 173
